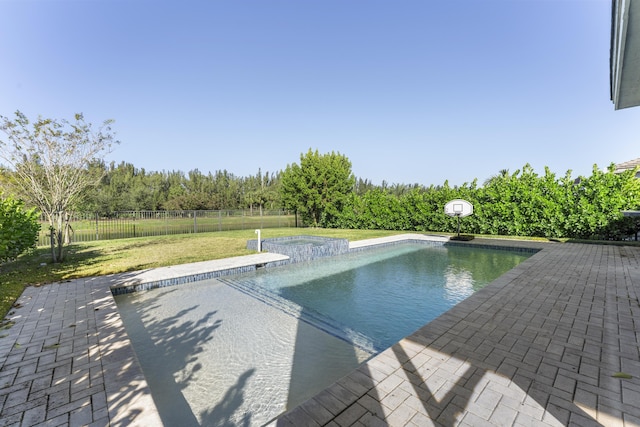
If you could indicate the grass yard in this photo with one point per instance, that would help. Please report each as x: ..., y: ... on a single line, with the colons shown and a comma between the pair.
x: 116, y: 256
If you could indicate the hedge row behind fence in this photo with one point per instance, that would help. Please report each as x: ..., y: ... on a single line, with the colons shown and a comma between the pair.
x: 87, y: 227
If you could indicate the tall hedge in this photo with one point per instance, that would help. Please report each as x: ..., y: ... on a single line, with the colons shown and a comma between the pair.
x: 520, y: 204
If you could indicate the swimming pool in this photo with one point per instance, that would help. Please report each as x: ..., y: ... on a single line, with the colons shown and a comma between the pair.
x: 215, y: 354
x: 376, y: 297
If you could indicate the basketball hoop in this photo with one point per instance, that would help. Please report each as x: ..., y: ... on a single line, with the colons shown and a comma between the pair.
x: 458, y: 208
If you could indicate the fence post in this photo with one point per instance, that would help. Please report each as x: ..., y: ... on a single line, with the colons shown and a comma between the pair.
x: 195, y: 222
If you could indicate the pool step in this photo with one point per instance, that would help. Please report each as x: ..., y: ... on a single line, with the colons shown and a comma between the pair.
x: 310, y: 316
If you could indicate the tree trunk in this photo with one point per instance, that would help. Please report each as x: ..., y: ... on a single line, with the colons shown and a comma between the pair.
x: 52, y: 238
x: 58, y: 223
x: 60, y: 246
x: 67, y: 229
x: 60, y: 236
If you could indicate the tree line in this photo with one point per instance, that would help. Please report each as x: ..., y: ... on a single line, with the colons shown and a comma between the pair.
x: 124, y: 187
x: 58, y: 167
x: 323, y: 190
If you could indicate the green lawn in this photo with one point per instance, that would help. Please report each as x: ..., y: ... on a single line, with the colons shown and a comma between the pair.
x: 116, y: 256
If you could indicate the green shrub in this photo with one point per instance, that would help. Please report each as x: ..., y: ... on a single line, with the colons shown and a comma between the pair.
x: 18, y: 228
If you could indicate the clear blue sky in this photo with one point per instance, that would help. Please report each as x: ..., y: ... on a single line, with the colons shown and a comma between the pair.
x: 411, y: 91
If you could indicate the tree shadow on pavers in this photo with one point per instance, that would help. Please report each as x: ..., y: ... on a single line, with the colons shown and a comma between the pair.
x: 532, y: 370
x: 168, y: 347
x: 444, y: 389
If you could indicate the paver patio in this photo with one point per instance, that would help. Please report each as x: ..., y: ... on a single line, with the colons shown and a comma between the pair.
x: 538, y: 346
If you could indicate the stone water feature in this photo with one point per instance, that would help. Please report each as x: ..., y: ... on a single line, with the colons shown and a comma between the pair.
x: 302, y: 247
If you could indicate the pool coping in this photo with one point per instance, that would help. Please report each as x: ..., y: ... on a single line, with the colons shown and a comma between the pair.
x: 193, y: 272
x: 68, y: 360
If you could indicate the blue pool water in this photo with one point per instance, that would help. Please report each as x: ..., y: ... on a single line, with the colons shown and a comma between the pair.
x: 243, y: 349
x: 378, y: 296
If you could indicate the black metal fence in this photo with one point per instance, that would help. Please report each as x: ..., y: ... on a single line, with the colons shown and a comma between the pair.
x: 86, y: 227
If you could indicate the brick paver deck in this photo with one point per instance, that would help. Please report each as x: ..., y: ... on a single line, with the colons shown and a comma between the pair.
x: 539, y: 346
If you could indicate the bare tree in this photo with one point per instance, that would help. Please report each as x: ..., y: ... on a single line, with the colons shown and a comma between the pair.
x: 49, y: 160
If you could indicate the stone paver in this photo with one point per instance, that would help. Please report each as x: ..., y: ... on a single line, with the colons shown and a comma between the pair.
x: 538, y: 346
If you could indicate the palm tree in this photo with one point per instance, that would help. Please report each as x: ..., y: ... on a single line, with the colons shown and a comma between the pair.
x: 501, y: 175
